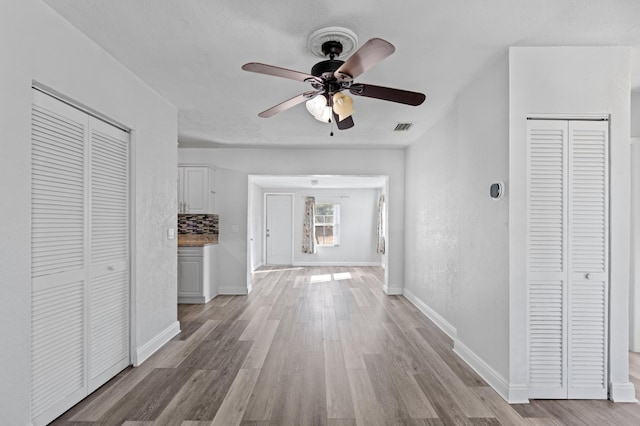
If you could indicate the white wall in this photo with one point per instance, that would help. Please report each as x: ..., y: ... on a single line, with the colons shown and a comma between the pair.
x: 358, y: 226
x: 235, y: 165
x: 456, y: 235
x: 572, y: 80
x: 38, y: 44
x: 483, y: 319
x: 432, y: 194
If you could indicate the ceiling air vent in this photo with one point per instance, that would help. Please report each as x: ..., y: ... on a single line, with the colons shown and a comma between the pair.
x: 402, y: 127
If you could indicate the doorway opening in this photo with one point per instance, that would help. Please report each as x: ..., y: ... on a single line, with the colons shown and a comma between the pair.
x: 351, y: 209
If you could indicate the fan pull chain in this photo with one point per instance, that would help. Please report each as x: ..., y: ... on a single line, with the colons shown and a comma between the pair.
x: 330, y: 102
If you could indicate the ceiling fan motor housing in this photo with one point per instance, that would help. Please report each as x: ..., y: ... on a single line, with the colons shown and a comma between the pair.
x: 325, y: 70
x: 328, y: 66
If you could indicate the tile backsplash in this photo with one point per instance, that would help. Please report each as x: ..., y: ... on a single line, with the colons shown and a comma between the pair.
x: 198, y: 224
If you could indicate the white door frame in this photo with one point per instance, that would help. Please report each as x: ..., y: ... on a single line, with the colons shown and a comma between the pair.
x: 264, y: 224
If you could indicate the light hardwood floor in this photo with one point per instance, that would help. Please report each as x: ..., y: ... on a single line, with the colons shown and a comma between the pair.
x: 318, y: 346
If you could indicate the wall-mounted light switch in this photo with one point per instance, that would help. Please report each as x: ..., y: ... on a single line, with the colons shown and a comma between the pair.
x: 235, y: 228
x: 171, y: 233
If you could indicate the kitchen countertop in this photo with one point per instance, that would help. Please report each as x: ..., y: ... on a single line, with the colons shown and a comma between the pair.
x: 196, y: 240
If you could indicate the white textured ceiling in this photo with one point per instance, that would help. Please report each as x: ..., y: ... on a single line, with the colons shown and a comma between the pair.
x: 191, y: 52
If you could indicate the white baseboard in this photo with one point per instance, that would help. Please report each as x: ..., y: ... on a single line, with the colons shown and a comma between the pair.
x: 518, y: 394
x: 392, y: 291
x: 335, y: 263
x: 233, y: 291
x: 513, y: 394
x: 192, y: 300
x: 484, y: 370
x: 622, y: 392
x: 155, y: 343
x: 442, y: 323
x: 259, y: 265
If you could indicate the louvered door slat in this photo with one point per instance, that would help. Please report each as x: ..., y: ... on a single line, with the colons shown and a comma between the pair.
x: 109, y: 253
x: 588, y: 261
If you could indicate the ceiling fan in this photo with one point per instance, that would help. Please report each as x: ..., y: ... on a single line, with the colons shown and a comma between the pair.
x: 329, y: 78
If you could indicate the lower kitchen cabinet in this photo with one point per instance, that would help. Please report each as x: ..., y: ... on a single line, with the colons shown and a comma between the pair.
x: 197, y: 273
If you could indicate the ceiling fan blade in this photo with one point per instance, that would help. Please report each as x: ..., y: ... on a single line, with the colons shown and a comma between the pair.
x: 282, y: 106
x: 345, y: 124
x: 369, y: 54
x: 388, y: 94
x: 278, y: 72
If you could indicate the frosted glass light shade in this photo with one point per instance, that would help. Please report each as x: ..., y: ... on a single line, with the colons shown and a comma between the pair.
x: 342, y: 105
x: 319, y: 109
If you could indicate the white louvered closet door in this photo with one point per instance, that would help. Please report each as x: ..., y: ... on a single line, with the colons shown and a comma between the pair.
x: 80, y: 256
x: 547, y: 258
x: 567, y: 239
x: 109, y: 242
x: 58, y: 257
x: 588, y: 259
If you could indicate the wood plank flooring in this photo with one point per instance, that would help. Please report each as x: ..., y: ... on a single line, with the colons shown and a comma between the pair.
x: 318, y: 346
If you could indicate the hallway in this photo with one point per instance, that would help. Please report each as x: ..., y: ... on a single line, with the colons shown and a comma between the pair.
x: 317, y: 346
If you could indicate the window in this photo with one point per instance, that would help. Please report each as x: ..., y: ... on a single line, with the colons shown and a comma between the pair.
x: 327, y: 224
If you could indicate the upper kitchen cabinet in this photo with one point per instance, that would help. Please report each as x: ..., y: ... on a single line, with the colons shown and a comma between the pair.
x: 196, y: 189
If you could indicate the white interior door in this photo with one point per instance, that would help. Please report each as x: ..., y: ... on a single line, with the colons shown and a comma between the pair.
x: 279, y: 229
x: 80, y: 255
x: 567, y: 239
x: 59, y: 237
x: 109, y: 242
x: 588, y: 259
x: 547, y: 258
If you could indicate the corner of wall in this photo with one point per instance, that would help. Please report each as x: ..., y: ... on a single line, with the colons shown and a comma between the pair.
x: 143, y: 353
x: 622, y: 392
x: 391, y: 290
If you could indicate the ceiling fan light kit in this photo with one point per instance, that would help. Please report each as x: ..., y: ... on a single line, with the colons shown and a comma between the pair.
x: 342, y: 105
x: 329, y: 78
x: 319, y: 109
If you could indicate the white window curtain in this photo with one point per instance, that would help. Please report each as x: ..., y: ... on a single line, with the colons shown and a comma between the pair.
x: 336, y: 225
x: 308, y: 226
x: 381, y: 243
